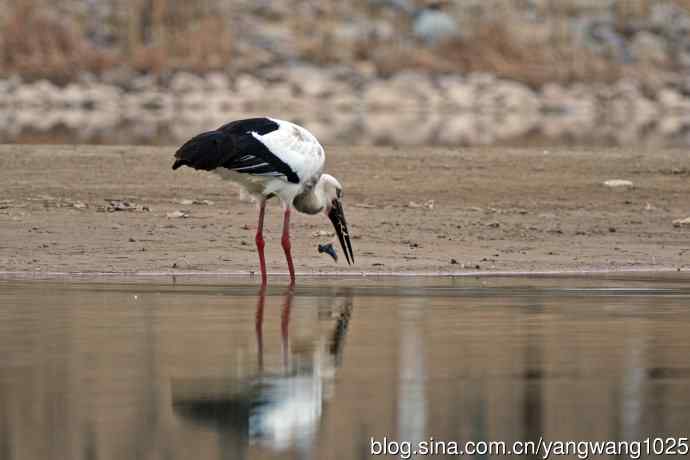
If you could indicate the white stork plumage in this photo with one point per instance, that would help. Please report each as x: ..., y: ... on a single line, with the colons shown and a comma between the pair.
x: 271, y: 157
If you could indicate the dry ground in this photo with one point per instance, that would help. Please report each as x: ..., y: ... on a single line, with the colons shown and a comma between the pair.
x: 410, y: 210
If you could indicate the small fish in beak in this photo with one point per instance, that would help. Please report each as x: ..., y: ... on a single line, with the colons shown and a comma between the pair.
x: 328, y: 249
x: 337, y: 217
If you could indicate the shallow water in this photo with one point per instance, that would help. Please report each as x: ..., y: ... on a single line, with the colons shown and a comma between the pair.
x: 197, y: 370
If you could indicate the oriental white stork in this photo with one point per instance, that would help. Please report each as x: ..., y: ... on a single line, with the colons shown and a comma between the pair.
x: 271, y: 157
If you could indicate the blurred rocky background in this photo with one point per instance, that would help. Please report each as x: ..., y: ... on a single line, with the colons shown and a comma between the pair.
x: 407, y: 72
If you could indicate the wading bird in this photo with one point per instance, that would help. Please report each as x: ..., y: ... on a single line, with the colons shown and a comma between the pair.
x: 271, y: 157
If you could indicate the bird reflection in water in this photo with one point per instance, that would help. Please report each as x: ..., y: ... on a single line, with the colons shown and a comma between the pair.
x: 275, y: 410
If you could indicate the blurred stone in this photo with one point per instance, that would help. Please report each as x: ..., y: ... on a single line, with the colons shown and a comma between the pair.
x: 72, y: 96
x: 456, y: 92
x: 217, y: 81
x: 432, y: 25
x: 404, y: 5
x: 649, y: 48
x: 669, y: 17
x: 310, y: 81
x: 186, y: 82
x: 144, y: 83
x: 599, y: 34
x: 671, y: 99
x: 380, y: 95
x: 249, y: 87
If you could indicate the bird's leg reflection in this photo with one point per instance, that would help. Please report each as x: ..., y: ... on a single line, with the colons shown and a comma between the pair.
x: 261, y: 300
x: 269, y: 408
x: 285, y: 323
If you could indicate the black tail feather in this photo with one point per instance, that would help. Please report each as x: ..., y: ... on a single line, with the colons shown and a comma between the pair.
x: 205, y: 151
x: 179, y: 163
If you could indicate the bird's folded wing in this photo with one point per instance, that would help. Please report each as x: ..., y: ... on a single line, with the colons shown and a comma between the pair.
x: 235, y: 146
x: 250, y: 164
x: 254, y: 157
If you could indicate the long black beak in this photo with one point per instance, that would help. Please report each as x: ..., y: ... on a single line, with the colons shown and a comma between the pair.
x: 337, y: 216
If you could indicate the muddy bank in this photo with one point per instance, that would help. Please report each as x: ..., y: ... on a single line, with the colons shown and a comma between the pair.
x: 123, y: 209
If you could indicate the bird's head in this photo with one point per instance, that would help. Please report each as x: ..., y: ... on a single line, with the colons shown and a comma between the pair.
x: 332, y: 191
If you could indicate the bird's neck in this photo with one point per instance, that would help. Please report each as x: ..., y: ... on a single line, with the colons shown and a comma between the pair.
x: 311, y: 201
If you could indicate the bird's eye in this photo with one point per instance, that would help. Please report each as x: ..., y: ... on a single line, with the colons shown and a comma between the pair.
x: 339, y: 193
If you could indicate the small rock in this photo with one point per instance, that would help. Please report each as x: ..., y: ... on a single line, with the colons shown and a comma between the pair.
x: 121, y: 205
x: 682, y: 222
x: 493, y: 225
x: 187, y: 202
x: 132, y: 240
x: 322, y: 233
x: 454, y: 262
x: 612, y: 229
x: 427, y: 204
x: 79, y: 205
x: 177, y: 215
x: 617, y: 183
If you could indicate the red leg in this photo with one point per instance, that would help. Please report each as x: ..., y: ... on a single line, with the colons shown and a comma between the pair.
x: 285, y: 325
x: 259, y: 326
x: 286, y: 244
x: 260, y: 242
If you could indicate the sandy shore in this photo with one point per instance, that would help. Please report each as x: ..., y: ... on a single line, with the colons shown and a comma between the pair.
x: 410, y: 210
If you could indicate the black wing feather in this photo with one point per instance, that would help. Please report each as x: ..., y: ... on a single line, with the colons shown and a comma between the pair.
x: 205, y: 151
x: 233, y: 146
x: 258, y: 125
